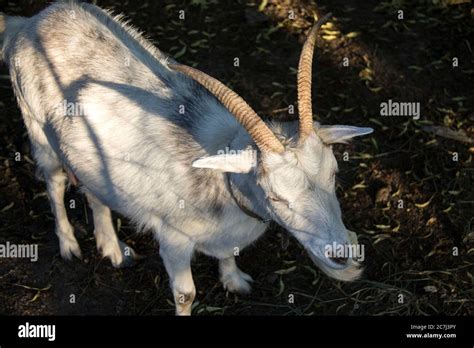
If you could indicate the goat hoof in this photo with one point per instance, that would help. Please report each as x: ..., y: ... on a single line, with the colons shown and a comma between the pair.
x: 129, y: 257
x: 69, y: 247
x: 237, y: 282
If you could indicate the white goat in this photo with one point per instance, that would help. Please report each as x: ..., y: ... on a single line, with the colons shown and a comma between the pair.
x: 144, y: 136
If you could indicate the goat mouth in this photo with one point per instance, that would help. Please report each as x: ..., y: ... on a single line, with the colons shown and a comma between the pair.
x: 331, y: 262
x: 339, y: 260
x: 345, y: 269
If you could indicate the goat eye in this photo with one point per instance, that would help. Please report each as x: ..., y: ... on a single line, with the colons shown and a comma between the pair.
x: 276, y: 199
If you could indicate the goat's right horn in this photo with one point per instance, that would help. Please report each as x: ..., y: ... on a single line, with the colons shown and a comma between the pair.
x: 304, y: 82
x: 248, y: 118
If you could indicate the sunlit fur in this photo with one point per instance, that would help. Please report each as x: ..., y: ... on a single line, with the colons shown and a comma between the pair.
x: 132, y: 150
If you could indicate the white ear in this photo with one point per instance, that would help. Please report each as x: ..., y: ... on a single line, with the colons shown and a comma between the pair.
x: 341, y: 134
x: 242, y: 162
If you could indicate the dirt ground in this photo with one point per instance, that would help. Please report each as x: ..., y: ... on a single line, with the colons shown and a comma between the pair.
x: 419, y: 257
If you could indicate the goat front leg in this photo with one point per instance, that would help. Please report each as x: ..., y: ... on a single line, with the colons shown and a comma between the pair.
x: 177, y: 254
x: 56, y: 185
x: 232, y: 278
x: 119, y: 253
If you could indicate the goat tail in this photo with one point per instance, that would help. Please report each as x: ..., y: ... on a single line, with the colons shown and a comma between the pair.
x: 9, y: 26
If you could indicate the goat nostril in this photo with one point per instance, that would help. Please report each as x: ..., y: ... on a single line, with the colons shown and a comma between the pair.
x: 339, y: 260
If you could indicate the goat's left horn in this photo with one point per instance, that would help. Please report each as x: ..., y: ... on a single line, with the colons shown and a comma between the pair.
x: 304, y: 81
x: 248, y: 118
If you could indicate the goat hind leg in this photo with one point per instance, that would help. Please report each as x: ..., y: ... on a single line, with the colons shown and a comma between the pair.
x: 56, y: 185
x: 119, y: 253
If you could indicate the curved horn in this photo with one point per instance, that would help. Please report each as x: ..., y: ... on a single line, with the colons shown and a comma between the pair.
x: 304, y: 81
x: 258, y: 130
